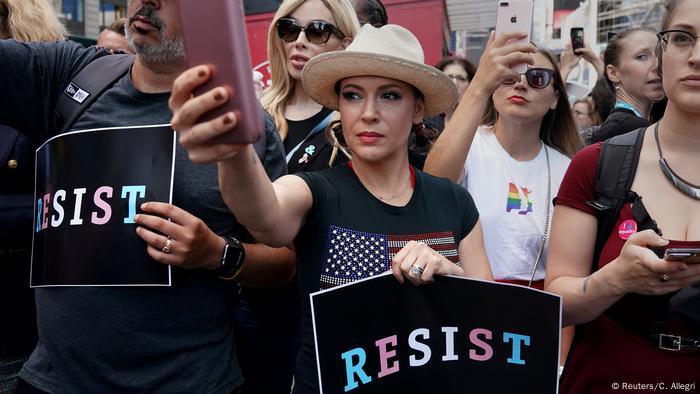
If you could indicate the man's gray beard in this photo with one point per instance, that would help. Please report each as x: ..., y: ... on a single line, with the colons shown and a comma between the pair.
x: 168, y: 51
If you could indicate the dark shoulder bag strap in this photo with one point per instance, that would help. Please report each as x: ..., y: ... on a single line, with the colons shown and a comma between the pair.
x: 87, y: 85
x: 617, y: 166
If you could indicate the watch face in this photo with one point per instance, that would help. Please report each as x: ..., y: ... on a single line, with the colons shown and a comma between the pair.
x: 233, y: 257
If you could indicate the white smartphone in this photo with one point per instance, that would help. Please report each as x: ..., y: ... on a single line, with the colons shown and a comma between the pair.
x: 515, y: 16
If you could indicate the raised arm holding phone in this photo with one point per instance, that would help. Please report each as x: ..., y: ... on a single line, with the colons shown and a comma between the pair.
x: 376, y: 197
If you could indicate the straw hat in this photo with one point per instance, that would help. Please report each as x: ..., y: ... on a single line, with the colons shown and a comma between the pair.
x: 368, y: 55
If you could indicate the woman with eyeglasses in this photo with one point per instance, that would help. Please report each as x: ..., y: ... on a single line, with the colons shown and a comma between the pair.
x: 267, y: 318
x: 584, y: 113
x: 637, y: 313
x: 512, y: 158
x: 632, y: 74
x: 461, y: 71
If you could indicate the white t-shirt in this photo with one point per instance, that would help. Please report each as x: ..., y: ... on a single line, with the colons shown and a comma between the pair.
x: 510, y: 195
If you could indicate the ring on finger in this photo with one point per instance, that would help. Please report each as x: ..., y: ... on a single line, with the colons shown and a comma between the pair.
x: 168, y: 247
x: 664, y: 278
x: 416, y: 270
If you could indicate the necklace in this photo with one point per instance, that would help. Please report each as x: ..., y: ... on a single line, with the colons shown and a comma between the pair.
x: 683, y: 186
x: 393, y: 196
x: 411, y: 182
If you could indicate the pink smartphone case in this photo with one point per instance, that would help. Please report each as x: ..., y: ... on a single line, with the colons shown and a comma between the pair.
x: 214, y: 34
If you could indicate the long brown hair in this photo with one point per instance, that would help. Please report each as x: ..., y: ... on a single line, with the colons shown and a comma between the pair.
x: 558, y: 128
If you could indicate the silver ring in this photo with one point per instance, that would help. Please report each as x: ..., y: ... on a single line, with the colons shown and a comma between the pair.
x: 416, y: 270
x: 664, y: 278
x: 168, y: 247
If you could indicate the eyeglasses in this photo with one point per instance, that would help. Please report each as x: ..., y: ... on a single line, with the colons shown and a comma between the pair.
x: 317, y: 32
x: 537, y: 78
x: 677, y: 42
x: 458, y: 78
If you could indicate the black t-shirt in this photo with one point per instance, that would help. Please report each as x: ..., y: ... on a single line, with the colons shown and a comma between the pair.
x: 299, y: 129
x: 315, y: 153
x: 620, y: 121
x: 350, y: 235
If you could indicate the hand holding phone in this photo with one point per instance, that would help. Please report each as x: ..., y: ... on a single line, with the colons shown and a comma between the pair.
x: 577, y: 38
x: 686, y: 255
x: 515, y: 16
x: 215, y: 35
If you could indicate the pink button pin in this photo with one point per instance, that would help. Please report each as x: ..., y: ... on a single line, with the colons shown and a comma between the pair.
x: 627, y: 228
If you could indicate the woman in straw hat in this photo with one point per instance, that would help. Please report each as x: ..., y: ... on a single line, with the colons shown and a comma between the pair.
x: 376, y: 197
x: 299, y: 31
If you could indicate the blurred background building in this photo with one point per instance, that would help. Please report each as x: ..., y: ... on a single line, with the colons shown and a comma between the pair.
x: 459, y: 27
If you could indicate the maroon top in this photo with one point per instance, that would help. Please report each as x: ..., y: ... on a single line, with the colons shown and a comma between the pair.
x: 617, y: 347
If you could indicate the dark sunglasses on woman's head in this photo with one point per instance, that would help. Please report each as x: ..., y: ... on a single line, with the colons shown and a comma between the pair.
x: 317, y: 32
x: 537, y: 78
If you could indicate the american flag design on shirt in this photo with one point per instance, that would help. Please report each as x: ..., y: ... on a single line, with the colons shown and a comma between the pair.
x: 353, y: 255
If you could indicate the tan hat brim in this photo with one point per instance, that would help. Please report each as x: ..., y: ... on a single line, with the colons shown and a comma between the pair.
x: 322, y: 72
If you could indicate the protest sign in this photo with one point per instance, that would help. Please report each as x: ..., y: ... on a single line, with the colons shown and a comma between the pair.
x: 88, y: 187
x: 456, y: 335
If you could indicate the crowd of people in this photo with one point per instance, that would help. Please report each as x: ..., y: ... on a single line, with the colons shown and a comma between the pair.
x: 505, y: 163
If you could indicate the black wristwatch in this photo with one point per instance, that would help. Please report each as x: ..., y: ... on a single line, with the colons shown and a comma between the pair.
x: 232, y: 259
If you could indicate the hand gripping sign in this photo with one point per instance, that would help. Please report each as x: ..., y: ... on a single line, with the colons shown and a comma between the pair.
x: 456, y: 335
x: 88, y: 186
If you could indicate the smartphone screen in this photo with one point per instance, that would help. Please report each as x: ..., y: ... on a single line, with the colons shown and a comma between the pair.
x: 515, y: 16
x: 576, y: 38
x: 687, y: 255
x: 215, y: 35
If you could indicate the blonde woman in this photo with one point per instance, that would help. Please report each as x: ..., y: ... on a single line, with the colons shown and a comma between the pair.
x: 30, y: 20
x: 301, y: 29
x: 23, y: 20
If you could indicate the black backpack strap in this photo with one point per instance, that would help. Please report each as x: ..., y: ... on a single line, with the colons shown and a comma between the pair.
x: 87, y: 85
x: 617, y: 166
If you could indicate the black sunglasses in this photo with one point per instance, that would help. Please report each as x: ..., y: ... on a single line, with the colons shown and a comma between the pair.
x: 537, y: 78
x: 317, y: 32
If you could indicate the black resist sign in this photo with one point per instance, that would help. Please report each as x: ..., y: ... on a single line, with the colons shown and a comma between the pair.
x: 88, y: 187
x: 453, y: 336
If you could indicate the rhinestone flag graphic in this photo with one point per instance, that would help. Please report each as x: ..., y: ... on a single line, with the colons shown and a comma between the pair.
x: 352, y: 255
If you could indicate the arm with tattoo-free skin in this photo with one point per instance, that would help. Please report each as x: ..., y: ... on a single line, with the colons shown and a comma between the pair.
x: 273, y: 213
x: 569, y: 60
